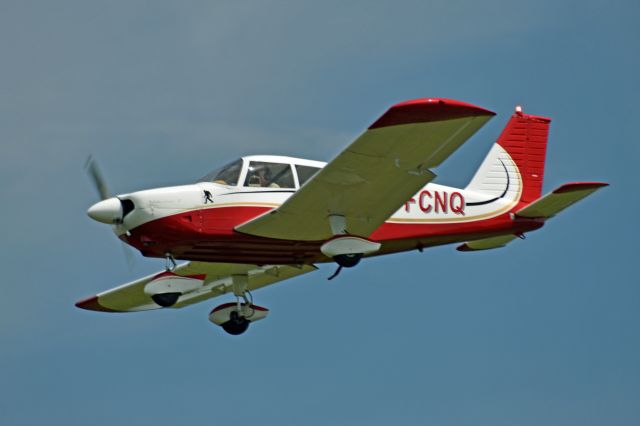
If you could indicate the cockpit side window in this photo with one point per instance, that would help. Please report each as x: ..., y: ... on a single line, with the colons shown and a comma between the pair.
x: 269, y: 175
x: 226, y: 175
x: 305, y: 173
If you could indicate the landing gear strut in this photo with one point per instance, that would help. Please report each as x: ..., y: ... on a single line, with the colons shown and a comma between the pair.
x: 170, y: 262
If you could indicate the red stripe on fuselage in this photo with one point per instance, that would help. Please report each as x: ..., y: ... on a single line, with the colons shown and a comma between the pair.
x: 208, y: 235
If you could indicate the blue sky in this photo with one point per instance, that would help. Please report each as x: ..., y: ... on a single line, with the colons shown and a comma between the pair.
x: 546, y: 331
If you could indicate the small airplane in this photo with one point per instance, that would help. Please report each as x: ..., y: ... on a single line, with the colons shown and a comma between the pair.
x: 263, y: 219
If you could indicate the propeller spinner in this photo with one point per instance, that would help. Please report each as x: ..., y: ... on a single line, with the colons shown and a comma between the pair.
x: 110, y: 210
x: 107, y: 211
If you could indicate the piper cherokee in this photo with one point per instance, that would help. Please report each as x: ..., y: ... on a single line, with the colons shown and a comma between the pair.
x: 263, y: 219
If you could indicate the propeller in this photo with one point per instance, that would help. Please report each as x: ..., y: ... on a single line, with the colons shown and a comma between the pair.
x: 92, y: 169
x: 98, y: 180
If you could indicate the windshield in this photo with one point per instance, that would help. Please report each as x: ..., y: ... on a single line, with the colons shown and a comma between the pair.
x: 225, y: 175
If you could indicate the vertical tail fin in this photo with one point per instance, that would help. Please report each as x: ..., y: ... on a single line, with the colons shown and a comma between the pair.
x: 522, y: 145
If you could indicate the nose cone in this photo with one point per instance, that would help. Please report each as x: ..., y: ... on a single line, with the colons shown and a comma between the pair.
x: 106, y: 211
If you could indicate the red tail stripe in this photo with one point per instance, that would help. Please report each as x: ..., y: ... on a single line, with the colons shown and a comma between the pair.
x: 525, y: 139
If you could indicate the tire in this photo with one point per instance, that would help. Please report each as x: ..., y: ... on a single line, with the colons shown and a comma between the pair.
x: 348, y: 260
x: 166, y: 299
x: 236, y: 324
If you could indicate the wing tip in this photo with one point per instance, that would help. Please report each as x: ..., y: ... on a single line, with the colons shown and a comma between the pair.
x: 453, y: 103
x: 92, y: 304
x: 579, y: 186
x: 428, y: 109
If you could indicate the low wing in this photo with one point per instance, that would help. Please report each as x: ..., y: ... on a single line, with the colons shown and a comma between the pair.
x: 215, y: 279
x: 368, y: 181
x: 553, y: 203
x: 543, y: 208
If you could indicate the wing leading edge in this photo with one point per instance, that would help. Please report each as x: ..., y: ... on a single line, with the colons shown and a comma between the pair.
x: 368, y: 181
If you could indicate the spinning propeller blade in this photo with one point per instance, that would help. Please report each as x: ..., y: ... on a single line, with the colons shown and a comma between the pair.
x: 98, y: 181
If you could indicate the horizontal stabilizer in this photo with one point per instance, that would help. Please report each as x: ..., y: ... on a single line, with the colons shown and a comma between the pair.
x: 487, y: 243
x: 558, y: 200
x: 543, y: 208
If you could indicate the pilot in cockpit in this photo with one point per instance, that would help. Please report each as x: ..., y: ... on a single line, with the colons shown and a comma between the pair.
x: 261, y: 177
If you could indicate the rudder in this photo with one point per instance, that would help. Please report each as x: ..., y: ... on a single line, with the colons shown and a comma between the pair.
x: 524, y: 139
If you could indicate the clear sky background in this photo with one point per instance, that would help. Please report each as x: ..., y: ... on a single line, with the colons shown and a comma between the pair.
x: 545, y: 331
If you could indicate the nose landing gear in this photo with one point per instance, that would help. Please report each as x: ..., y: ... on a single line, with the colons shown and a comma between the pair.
x: 170, y: 262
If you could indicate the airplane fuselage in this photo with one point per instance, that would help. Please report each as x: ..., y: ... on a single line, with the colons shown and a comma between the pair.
x: 197, y: 222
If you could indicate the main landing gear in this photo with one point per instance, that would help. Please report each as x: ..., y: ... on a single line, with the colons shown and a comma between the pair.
x: 169, y: 262
x: 235, y: 318
x: 347, y: 250
x: 345, y: 261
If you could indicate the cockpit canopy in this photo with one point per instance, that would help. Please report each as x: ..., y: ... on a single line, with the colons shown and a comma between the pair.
x: 263, y: 171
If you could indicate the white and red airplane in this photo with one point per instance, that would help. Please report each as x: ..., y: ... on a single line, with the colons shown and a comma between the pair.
x: 263, y: 219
